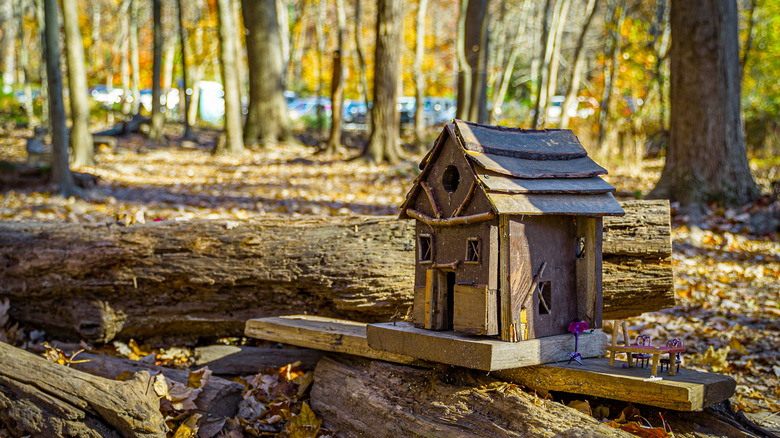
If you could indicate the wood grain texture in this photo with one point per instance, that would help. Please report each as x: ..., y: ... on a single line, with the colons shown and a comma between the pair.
x: 38, y: 396
x: 370, y: 398
x: 328, y: 334
x: 688, y: 390
x: 205, y: 278
x: 479, y: 352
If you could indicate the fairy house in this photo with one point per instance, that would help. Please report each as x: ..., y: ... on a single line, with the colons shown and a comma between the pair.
x: 508, y: 232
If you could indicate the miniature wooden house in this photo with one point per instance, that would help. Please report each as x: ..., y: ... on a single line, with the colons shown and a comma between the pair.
x: 508, y: 231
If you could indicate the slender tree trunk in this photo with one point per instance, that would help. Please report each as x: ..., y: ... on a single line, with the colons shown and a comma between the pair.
x: 615, y: 17
x: 706, y: 158
x: 95, y: 57
x: 60, y: 167
x: 574, y: 83
x: 183, y: 96
x: 464, y: 68
x: 361, y: 61
x: 24, y: 66
x: 749, y: 41
x: 134, y: 57
x: 542, y: 69
x: 241, y: 69
x: 283, y: 17
x: 8, y: 43
x: 234, y: 143
x: 337, y: 82
x: 419, y: 75
x: 296, y: 51
x: 124, y: 23
x: 155, y: 132
x: 80, y: 137
x: 169, y: 52
x: 498, y: 98
x: 41, y: 19
x: 560, y: 24
x: 383, y: 144
x: 266, y: 120
x: 318, y: 27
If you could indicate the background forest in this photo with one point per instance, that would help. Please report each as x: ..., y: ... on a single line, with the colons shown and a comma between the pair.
x: 142, y: 111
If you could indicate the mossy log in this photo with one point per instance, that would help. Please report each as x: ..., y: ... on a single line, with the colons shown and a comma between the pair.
x: 206, y: 278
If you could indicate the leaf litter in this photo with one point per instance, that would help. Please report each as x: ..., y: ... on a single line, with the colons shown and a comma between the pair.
x: 727, y: 268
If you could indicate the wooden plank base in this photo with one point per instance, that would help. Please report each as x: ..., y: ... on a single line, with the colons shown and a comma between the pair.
x: 321, y: 333
x: 479, y: 352
x: 687, y: 390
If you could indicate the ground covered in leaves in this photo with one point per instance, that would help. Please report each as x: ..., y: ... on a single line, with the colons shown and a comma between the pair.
x: 727, y: 266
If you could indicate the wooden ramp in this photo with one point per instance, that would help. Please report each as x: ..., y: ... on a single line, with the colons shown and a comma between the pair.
x: 687, y: 390
x: 479, y: 352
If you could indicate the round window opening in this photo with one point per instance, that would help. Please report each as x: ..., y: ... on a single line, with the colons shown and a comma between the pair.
x: 450, y: 179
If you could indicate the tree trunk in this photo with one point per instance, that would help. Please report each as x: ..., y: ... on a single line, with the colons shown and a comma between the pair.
x: 124, y: 48
x: 384, y: 142
x: 41, y: 20
x: 361, y: 62
x: 24, y: 66
x: 472, y: 58
x: 749, y: 41
x: 337, y: 82
x: 200, y: 279
x: 266, y: 120
x: 183, y: 96
x: 706, y: 158
x: 574, y: 83
x: 283, y: 18
x: 419, y: 76
x: 47, y: 399
x: 559, y: 23
x: 540, y: 104
x: 80, y: 138
x: 8, y: 44
x: 134, y: 57
x: 498, y: 99
x: 615, y: 16
x: 155, y: 131
x: 234, y: 143
x: 60, y: 165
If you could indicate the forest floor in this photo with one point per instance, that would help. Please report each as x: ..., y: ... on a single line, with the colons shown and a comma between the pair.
x: 727, y: 267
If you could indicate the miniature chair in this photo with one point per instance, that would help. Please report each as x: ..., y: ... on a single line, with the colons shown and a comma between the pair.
x: 665, y: 360
x: 642, y: 340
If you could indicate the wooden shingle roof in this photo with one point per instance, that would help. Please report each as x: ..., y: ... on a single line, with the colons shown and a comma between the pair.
x: 528, y: 171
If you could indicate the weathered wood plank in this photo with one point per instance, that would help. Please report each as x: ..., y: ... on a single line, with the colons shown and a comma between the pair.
x: 478, y: 352
x: 687, y: 390
x: 231, y: 360
x: 328, y: 334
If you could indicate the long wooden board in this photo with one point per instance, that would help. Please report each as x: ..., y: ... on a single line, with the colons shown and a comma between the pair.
x: 328, y: 334
x: 687, y: 390
x: 478, y: 352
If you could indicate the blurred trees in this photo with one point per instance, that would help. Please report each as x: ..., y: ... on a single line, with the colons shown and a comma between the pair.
x: 705, y: 159
x: 80, y: 137
x: 155, y: 132
x: 234, y: 139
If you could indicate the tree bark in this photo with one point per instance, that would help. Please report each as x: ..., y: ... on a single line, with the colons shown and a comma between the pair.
x: 46, y: 399
x: 540, y: 104
x: 199, y: 278
x: 266, y: 120
x: 80, y: 138
x: 559, y: 23
x: 361, y: 62
x: 183, y: 96
x: 41, y: 20
x: 415, y: 402
x: 400, y: 400
x: 419, y: 75
x: 506, y: 78
x: 475, y: 51
x: 574, y: 83
x: 24, y: 69
x: 155, y: 131
x: 706, y: 157
x: 234, y: 138
x: 8, y: 43
x: 337, y: 82
x: 60, y: 163
x: 384, y: 142
x: 134, y: 57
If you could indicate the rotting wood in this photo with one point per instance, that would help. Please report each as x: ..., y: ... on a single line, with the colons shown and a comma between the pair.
x: 38, y: 396
x: 230, y: 360
x: 205, y: 278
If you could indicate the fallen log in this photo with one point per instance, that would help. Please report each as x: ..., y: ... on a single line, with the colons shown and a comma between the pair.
x: 42, y: 398
x: 206, y: 278
x: 354, y: 396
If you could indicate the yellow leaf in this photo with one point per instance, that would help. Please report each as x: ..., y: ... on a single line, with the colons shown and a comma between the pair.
x: 716, y: 359
x: 160, y: 386
x: 198, y: 378
x: 735, y: 345
x: 580, y: 405
x: 305, y: 424
x: 189, y: 428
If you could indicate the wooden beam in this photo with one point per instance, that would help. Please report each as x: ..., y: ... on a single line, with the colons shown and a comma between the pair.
x: 450, y: 222
x: 462, y: 207
x: 429, y: 193
x: 688, y: 390
x: 328, y: 334
x: 479, y: 352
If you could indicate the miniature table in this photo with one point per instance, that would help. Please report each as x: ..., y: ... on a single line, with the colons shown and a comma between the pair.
x: 654, y: 351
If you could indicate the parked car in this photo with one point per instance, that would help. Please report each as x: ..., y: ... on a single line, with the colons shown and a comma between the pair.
x: 354, y: 112
x: 308, y: 107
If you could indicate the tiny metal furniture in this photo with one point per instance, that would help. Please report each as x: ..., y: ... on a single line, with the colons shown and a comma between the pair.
x: 643, y: 358
x: 673, y: 343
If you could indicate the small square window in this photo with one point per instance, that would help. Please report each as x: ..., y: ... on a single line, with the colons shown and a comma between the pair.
x: 425, y: 248
x: 472, y: 250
